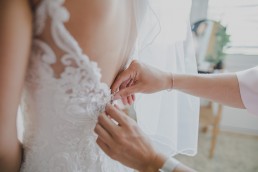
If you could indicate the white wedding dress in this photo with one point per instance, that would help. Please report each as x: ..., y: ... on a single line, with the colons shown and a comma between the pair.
x: 60, y: 113
x: 60, y: 110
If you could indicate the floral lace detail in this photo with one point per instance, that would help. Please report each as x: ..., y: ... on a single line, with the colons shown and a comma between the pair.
x: 60, y: 113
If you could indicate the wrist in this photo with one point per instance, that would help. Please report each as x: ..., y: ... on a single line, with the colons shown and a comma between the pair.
x: 169, y: 81
x: 156, y: 163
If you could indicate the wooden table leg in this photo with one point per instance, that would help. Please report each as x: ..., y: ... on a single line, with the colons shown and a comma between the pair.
x: 215, y: 130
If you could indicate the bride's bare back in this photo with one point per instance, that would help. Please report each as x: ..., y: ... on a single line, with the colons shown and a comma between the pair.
x: 105, y: 30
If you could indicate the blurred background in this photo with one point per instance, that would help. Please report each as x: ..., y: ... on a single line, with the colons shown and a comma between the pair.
x: 225, y: 35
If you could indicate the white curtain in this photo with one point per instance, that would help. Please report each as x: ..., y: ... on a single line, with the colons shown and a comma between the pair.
x: 165, y: 41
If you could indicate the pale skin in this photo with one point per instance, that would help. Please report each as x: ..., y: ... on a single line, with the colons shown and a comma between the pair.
x: 126, y: 142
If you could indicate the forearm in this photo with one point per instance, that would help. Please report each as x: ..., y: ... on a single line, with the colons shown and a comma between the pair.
x: 222, y: 88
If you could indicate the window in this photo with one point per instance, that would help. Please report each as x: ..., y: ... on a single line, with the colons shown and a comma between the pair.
x: 241, y: 19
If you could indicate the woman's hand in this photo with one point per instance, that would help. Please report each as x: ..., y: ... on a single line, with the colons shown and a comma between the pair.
x: 140, y: 78
x: 125, y: 142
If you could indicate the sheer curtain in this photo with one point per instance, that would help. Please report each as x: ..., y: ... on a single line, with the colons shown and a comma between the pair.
x: 165, y: 41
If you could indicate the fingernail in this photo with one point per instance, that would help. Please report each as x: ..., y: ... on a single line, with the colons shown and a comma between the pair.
x: 116, y: 106
x: 116, y: 97
x: 133, y: 97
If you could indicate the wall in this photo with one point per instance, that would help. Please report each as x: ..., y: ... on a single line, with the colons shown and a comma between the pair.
x: 199, y: 10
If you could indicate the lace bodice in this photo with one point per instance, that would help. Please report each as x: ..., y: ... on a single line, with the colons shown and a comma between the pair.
x: 60, y: 112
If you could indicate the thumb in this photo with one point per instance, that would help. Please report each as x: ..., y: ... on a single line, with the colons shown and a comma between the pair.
x: 124, y: 76
x: 127, y: 92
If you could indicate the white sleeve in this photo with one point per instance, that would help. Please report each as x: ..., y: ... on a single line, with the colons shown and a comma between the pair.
x: 248, y: 84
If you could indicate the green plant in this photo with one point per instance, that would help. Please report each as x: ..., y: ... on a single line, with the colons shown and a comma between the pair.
x: 222, y: 39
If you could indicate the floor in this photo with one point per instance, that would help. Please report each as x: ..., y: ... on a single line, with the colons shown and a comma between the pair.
x: 234, y: 153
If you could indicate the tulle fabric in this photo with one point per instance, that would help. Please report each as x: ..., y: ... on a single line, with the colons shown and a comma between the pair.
x: 170, y: 118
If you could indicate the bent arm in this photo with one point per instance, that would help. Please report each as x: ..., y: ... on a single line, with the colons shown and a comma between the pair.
x: 15, y: 39
x: 222, y: 88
